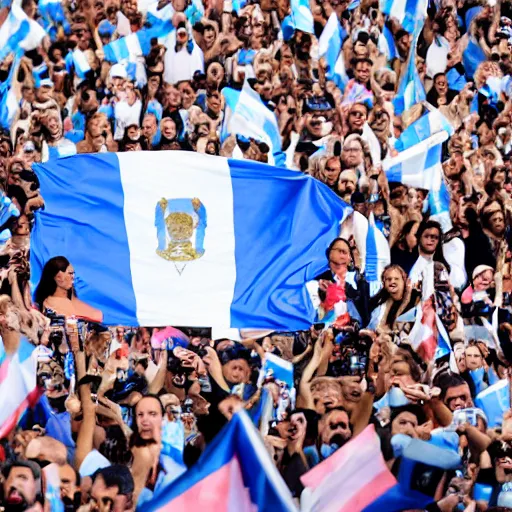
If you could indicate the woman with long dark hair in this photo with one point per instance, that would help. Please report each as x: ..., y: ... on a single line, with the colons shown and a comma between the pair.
x: 395, y: 298
x: 342, y: 290
x: 55, y: 291
x: 405, y: 250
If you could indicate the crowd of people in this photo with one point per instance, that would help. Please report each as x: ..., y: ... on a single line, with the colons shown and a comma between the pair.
x: 423, y: 350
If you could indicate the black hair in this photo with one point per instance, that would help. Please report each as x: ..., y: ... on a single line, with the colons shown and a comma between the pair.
x: 407, y: 228
x: 415, y: 409
x: 116, y: 476
x: 438, y: 253
x: 445, y: 381
x: 135, y: 438
x: 331, y: 245
x: 47, y: 285
x: 34, y: 467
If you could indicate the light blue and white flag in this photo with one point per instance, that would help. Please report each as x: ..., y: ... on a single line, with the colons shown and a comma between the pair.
x: 52, y: 491
x: 173, y: 440
x: 377, y: 256
x: 52, y: 10
x: 9, y: 104
x: 427, y: 125
x: 439, y: 200
x: 279, y: 368
x: 494, y: 401
x: 130, y: 47
x: 77, y: 61
x: 19, y: 32
x: 201, y: 240
x: 160, y: 19
x: 301, y: 18
x: 231, y: 97
x: 252, y: 118
x: 410, y: 89
x: 418, y: 166
x: 329, y: 47
x: 405, y: 11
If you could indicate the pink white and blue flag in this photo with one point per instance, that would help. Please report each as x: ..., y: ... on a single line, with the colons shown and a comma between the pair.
x: 234, y: 474
x: 349, y: 480
x: 18, y: 384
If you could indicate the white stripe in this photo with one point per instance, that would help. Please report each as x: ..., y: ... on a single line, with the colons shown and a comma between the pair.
x: 363, y: 466
x: 160, y: 291
x: 133, y: 45
x: 239, y: 498
x: 273, y: 476
x: 398, y: 10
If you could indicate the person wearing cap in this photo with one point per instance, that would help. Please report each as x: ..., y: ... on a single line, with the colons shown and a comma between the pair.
x: 21, y: 487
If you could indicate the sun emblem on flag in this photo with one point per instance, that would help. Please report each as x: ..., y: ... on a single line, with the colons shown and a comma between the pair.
x: 181, y: 227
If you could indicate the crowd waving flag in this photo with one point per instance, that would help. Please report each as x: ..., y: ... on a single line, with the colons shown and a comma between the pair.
x: 349, y: 480
x: 202, y: 240
x: 234, y: 473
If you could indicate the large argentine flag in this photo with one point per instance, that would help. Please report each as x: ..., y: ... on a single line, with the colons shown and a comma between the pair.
x: 246, y: 237
x: 235, y: 473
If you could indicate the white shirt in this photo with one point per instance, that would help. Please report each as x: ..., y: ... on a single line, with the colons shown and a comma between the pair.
x: 423, y: 270
x: 181, y: 65
x: 125, y: 116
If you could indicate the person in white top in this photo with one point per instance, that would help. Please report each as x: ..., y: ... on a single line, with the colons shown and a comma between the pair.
x: 127, y: 111
x: 183, y: 57
x: 429, y: 237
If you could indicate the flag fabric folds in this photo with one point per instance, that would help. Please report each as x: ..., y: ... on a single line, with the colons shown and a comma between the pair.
x: 202, y: 240
x: 19, y: 32
x: 235, y: 472
x: 405, y: 11
x: 250, y: 117
x: 377, y: 255
x: 418, y: 166
x: 18, y: 384
x: 494, y: 401
x: 421, y: 466
x: 329, y: 47
x: 427, y: 125
x: 352, y: 478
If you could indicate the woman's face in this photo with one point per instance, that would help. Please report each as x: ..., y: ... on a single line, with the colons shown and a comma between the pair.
x: 65, y: 279
x: 474, y: 358
x: 332, y: 171
x: 188, y: 96
x: 148, y: 416
x: 339, y: 257
x: 357, y: 117
x: 153, y: 84
x: 483, y: 281
x: 410, y: 238
x: 168, y: 128
x: 441, y: 85
x: 394, y: 284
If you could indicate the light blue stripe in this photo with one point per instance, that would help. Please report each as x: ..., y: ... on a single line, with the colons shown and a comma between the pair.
x: 97, y: 214
x: 284, y: 222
